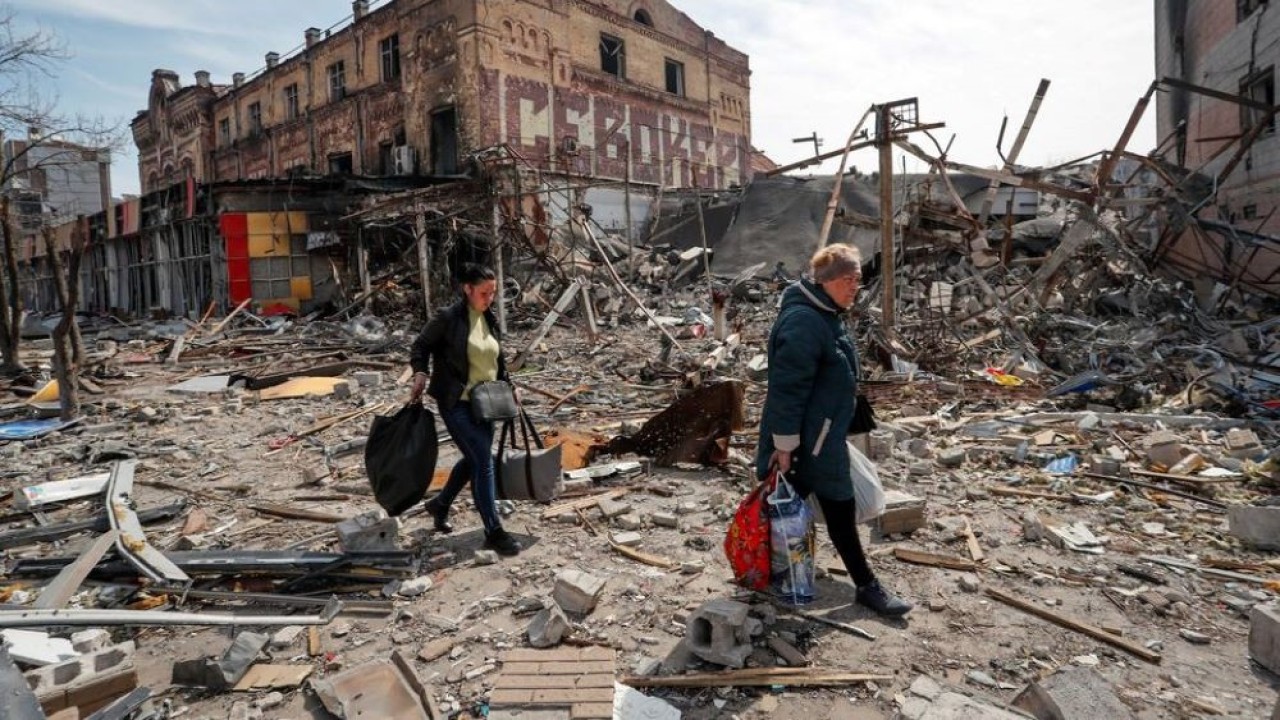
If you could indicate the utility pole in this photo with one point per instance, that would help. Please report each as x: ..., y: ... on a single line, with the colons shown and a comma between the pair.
x: 884, y: 132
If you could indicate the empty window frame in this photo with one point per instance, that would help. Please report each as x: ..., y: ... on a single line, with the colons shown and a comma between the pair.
x: 613, y: 55
x: 1245, y: 8
x: 255, y: 118
x: 643, y: 17
x: 1260, y: 87
x: 389, y: 51
x: 224, y: 132
x: 341, y: 164
x: 337, y: 81
x: 291, y: 108
x: 675, y: 77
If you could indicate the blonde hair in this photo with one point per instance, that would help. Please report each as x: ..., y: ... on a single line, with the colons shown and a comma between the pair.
x: 834, y: 261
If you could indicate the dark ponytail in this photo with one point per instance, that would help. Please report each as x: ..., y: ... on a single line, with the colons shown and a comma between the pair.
x: 474, y: 274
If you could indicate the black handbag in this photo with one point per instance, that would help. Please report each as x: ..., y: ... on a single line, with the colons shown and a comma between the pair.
x: 529, y: 473
x: 493, y: 401
x: 864, y: 416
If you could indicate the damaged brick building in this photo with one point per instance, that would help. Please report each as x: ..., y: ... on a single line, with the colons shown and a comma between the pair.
x: 258, y: 178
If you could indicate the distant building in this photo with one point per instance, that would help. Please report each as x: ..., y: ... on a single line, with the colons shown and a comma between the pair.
x: 1232, y: 48
x: 619, y: 89
x: 51, y: 181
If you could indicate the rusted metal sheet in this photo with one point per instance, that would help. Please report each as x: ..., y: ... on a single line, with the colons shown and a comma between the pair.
x: 695, y: 428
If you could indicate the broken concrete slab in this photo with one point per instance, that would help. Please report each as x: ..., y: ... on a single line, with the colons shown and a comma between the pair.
x: 548, y: 627
x: 32, y: 647
x: 1256, y: 526
x: 379, y: 689
x: 577, y: 592
x: 928, y: 700
x: 1073, y: 692
x: 1264, y: 636
x: 903, y: 513
x: 20, y: 702
x: 372, y: 531
x: 88, y: 682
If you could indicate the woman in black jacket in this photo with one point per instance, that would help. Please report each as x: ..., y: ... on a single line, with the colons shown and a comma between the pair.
x: 463, y: 343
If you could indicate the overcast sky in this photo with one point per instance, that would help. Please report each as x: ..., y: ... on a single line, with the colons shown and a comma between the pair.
x: 816, y: 64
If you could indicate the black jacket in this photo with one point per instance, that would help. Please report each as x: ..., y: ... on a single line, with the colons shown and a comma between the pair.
x: 444, y: 343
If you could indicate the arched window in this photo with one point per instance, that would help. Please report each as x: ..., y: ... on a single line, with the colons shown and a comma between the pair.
x: 642, y: 16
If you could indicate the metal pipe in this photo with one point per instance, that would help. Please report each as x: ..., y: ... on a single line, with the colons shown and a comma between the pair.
x: 156, y: 618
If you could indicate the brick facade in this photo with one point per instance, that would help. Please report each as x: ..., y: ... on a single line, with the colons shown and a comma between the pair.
x: 471, y: 74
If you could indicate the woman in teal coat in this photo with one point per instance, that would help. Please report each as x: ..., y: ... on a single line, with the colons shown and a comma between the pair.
x: 813, y: 381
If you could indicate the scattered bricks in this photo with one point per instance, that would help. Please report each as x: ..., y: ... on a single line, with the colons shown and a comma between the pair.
x: 952, y: 457
x: 630, y: 521
x: 718, y: 632
x: 627, y: 539
x: 1104, y: 465
x: 369, y: 532
x: 88, y: 682
x: 1164, y: 448
x: 903, y: 513
x: 548, y: 627
x: 612, y: 508
x: 880, y: 445
x: 1075, y: 692
x: 577, y: 592
x: 368, y: 379
x: 664, y: 519
x: 90, y: 641
x: 1264, y: 637
x: 1258, y: 527
x: 1243, y: 443
x: 285, y: 637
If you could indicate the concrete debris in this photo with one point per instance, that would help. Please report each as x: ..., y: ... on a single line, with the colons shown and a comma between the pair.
x: 1073, y: 692
x: 1264, y: 637
x: 369, y: 532
x: 1255, y: 526
x: 720, y: 633
x: 548, y: 627
x: 577, y: 592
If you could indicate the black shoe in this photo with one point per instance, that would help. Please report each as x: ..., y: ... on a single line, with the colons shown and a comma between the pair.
x: 501, y: 542
x: 874, y: 596
x: 440, y: 516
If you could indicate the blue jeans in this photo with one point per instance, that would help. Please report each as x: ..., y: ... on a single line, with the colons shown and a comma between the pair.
x: 475, y: 439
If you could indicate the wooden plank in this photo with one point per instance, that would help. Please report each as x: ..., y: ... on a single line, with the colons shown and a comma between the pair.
x: 273, y: 677
x: 571, y: 681
x: 642, y: 557
x: 591, y: 711
x: 583, y: 503
x: 296, y: 513
x: 1225, y: 574
x: 59, y: 591
x: 975, y: 550
x: 1018, y: 492
x: 315, y: 646
x: 793, y: 677
x: 934, y: 560
x: 1071, y: 624
x: 218, y: 328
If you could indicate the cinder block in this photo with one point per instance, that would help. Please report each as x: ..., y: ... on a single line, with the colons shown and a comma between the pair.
x: 1255, y: 526
x: 577, y: 592
x: 368, y: 379
x: 1076, y: 692
x: 88, y: 682
x: 88, y: 641
x: 1264, y: 636
x: 718, y: 632
x: 371, y: 531
x: 903, y: 513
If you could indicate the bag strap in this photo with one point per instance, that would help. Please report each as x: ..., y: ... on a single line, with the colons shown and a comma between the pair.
x: 527, y: 423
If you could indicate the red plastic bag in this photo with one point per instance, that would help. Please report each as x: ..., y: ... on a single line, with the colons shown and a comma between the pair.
x: 747, y: 542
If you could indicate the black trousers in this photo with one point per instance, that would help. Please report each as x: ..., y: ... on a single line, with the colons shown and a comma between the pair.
x: 843, y: 530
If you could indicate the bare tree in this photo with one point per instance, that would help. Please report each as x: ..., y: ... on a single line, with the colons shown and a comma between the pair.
x: 68, y: 348
x: 28, y: 60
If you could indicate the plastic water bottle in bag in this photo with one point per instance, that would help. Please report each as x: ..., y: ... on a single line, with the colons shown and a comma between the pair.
x: 791, y: 545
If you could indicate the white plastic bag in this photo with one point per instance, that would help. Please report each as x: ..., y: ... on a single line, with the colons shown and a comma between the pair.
x: 868, y: 493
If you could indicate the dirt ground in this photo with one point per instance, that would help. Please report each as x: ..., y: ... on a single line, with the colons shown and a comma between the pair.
x: 216, y: 446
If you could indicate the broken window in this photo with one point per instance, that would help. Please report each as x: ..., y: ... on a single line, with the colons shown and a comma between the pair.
x: 337, y: 81
x: 613, y: 55
x: 386, y: 161
x: 341, y: 164
x: 255, y: 119
x: 444, y: 142
x: 224, y: 132
x: 1250, y: 212
x: 1259, y: 87
x: 643, y: 17
x: 1245, y: 8
x: 675, y: 77
x: 291, y: 110
x: 389, y: 50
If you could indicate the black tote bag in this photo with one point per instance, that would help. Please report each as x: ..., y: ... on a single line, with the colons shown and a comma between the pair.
x: 400, y: 457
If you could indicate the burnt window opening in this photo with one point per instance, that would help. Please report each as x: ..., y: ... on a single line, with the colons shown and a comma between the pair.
x: 224, y: 132
x: 291, y: 107
x: 389, y: 51
x: 386, y: 161
x: 643, y: 17
x: 1259, y: 87
x: 444, y: 141
x: 1245, y: 8
x: 255, y: 119
x: 337, y: 81
x: 1249, y: 212
x: 675, y: 77
x: 341, y: 164
x: 613, y: 55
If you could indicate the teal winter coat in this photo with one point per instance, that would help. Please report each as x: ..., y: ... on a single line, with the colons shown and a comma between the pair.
x: 813, y: 378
